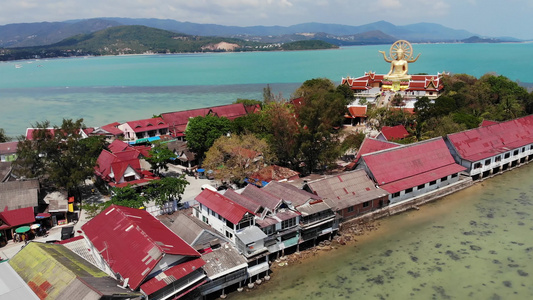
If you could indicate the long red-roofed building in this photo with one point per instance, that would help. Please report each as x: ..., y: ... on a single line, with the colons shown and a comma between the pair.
x: 144, y: 253
x: 370, y: 145
x: 146, y: 128
x: 411, y: 170
x: 493, y: 148
x: 178, y: 120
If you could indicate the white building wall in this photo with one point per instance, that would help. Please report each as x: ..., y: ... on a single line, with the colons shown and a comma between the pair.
x: 422, y: 189
x: 216, y: 221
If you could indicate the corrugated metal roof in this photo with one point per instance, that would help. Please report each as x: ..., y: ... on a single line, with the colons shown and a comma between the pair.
x: 222, y: 205
x: 370, y: 145
x: 132, y: 241
x: 251, y: 234
x: 19, y: 194
x: 407, y: 162
x: 242, y: 200
x: 18, y: 217
x: 221, y: 261
x: 422, y: 178
x: 481, y: 143
x: 171, y: 275
x: 347, y: 189
x: 49, y: 269
x: 263, y: 197
x: 193, y: 231
x: 397, y: 132
x: 289, y: 193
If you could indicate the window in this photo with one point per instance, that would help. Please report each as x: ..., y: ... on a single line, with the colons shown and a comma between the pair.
x: 229, y: 234
x: 507, y: 155
x: 487, y: 162
x: 421, y: 186
x: 213, y: 213
x: 407, y: 191
x: 433, y: 182
x: 229, y: 224
x: 444, y: 178
x: 269, y: 229
x: 523, y: 149
x: 477, y: 165
x: 350, y: 209
x: 498, y: 158
x: 397, y: 194
x: 288, y: 223
x: 531, y: 147
x: 515, y: 153
x: 454, y: 175
x: 366, y: 204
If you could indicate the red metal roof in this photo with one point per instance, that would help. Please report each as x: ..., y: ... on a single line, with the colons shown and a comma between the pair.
x: 370, y: 145
x: 406, y: 166
x: 397, y: 132
x: 147, y: 124
x: 480, y: 143
x: 112, y: 128
x: 177, y: 121
x: 222, y: 205
x: 31, y: 131
x: 132, y: 241
x: 171, y: 275
x: 18, y: 216
x: 118, y: 146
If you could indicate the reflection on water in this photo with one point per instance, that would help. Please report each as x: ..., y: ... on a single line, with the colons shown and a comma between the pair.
x: 475, y: 244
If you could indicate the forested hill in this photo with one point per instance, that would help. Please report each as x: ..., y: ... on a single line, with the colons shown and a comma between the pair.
x: 137, y: 39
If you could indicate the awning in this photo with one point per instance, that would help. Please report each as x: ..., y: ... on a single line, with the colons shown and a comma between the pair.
x: 43, y: 216
x: 154, y: 138
x: 139, y: 141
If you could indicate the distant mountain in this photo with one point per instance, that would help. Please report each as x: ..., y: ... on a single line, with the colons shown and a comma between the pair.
x: 138, y: 39
x: 46, y: 33
x: 34, y: 34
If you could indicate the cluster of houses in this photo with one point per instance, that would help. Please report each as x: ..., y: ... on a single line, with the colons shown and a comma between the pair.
x: 228, y: 239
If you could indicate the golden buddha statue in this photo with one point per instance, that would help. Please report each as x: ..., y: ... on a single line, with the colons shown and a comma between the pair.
x: 401, y: 54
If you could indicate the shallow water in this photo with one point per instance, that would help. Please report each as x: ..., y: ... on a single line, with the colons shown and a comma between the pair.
x: 474, y: 244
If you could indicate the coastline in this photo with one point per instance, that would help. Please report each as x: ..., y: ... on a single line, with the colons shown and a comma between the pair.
x: 371, y: 235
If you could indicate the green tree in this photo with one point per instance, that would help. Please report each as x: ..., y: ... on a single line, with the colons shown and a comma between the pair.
x: 3, y: 137
x: 59, y: 157
x: 283, y: 131
x: 158, y: 157
x: 202, y: 132
x: 236, y: 157
x: 248, y: 102
x: 166, y: 189
x: 319, y: 117
x: 125, y: 196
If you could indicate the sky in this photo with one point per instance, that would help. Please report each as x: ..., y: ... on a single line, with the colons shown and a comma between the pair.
x: 492, y: 18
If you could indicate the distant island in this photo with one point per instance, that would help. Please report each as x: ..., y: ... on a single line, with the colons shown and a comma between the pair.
x: 137, y: 39
x: 117, y: 36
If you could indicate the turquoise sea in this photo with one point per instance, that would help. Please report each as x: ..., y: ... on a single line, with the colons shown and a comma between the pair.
x: 121, y: 88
